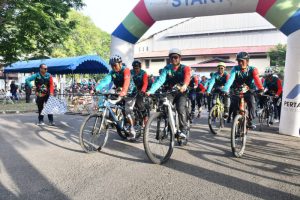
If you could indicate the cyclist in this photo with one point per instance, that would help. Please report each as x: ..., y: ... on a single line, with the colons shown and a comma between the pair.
x: 203, y: 96
x: 120, y: 76
x: 192, y: 92
x: 140, y: 79
x: 241, y: 76
x: 216, y: 84
x: 273, y: 87
x: 208, y: 97
x: 171, y: 75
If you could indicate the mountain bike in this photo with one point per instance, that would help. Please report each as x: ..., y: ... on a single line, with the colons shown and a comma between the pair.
x: 239, y: 128
x: 266, y: 116
x: 94, y: 130
x: 161, y: 129
x: 215, y: 119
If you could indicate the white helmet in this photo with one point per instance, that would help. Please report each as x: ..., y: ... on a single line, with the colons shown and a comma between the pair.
x: 269, y: 71
x: 175, y: 51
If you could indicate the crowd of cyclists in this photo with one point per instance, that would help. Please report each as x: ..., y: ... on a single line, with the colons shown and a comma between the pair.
x: 134, y: 85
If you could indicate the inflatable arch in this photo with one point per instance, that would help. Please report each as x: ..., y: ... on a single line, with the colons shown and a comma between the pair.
x: 283, y: 14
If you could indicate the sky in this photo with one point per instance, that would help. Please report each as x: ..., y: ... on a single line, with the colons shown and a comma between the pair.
x: 107, y: 16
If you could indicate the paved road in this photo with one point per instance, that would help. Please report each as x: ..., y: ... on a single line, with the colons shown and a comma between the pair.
x: 48, y: 163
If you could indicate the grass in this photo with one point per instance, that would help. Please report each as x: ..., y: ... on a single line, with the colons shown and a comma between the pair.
x: 18, y: 106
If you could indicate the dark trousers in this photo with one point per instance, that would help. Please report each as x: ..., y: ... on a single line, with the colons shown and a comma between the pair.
x: 40, y: 104
x: 180, y: 101
x: 249, y: 99
x: 140, y: 104
x: 28, y: 97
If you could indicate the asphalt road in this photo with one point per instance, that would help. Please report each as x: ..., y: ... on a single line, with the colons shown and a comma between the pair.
x: 48, y: 163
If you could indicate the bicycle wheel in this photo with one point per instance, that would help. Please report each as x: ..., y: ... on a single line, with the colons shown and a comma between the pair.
x: 158, y: 139
x: 121, y: 120
x: 93, y: 133
x: 238, y: 136
x: 262, y: 118
x: 215, y: 120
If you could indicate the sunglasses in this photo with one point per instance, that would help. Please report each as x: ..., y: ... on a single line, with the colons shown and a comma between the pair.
x: 174, y: 57
x: 45, y: 69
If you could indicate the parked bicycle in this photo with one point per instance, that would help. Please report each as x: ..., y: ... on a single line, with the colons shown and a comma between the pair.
x: 161, y: 129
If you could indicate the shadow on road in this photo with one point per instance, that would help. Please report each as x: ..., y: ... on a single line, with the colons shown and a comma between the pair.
x: 21, y: 172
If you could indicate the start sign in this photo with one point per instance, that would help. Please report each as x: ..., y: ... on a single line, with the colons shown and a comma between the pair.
x: 178, y: 3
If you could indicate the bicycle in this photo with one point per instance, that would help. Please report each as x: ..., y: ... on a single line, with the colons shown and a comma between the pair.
x: 162, y: 128
x: 94, y: 130
x: 239, y: 128
x: 267, y: 114
x: 215, y: 119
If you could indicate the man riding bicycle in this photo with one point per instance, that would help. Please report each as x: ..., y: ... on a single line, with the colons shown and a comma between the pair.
x: 140, y: 79
x: 120, y: 76
x: 273, y: 87
x: 171, y: 75
x: 242, y: 76
x: 216, y: 84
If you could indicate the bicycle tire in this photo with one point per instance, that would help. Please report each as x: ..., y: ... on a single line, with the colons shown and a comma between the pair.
x: 210, y: 118
x: 262, y: 119
x: 96, y: 132
x: 238, y: 125
x: 146, y: 139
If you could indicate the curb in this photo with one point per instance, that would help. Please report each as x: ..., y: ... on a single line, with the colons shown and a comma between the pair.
x: 15, y: 111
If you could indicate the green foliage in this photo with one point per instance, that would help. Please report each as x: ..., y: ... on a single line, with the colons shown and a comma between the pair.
x: 278, y: 55
x: 32, y: 27
x: 85, y: 39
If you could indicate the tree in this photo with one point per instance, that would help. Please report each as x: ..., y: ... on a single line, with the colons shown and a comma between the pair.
x: 85, y: 39
x: 277, y: 55
x: 31, y: 27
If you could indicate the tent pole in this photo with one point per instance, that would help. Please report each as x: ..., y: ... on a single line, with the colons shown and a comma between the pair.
x: 5, y: 82
x: 73, y: 84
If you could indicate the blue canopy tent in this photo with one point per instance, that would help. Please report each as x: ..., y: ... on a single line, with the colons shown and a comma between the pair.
x: 88, y: 64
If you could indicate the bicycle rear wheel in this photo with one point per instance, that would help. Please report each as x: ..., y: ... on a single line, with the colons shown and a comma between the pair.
x: 238, y: 136
x: 262, y: 118
x: 93, y: 133
x: 215, y: 120
x: 158, y: 139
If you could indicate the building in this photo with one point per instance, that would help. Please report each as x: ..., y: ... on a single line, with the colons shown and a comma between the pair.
x: 206, y: 40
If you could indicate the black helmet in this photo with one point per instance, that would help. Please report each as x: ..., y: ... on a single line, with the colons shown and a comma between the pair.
x: 242, y: 56
x: 136, y: 63
x: 115, y: 59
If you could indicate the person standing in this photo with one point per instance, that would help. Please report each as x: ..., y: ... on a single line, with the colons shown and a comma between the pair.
x: 28, y: 92
x: 13, y: 90
x: 44, y: 88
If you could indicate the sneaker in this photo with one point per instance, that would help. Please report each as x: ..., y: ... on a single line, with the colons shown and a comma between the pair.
x: 181, y: 135
x: 250, y: 125
x: 260, y: 111
x: 40, y: 123
x: 132, y: 134
x: 226, y: 113
x: 276, y: 121
x: 228, y: 120
x: 51, y: 124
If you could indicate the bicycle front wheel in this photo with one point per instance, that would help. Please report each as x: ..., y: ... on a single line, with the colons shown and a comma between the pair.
x: 158, y: 139
x: 238, y: 136
x: 215, y: 120
x: 93, y: 133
